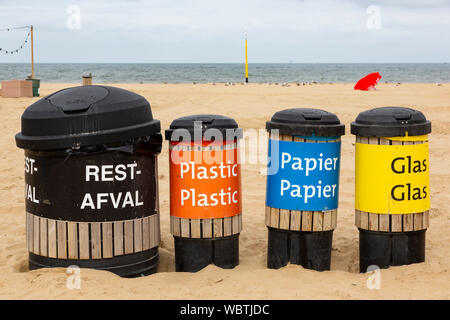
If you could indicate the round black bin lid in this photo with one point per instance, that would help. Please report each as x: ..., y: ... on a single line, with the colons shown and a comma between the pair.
x: 306, y: 122
x: 390, y: 122
x: 84, y: 116
x: 198, y: 124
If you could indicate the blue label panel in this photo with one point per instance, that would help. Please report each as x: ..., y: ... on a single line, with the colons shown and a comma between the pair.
x: 303, y: 175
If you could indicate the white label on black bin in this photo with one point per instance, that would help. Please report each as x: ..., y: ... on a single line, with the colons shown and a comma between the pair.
x: 111, y: 173
x: 30, y: 190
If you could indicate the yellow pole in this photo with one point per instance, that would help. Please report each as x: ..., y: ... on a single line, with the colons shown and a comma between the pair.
x: 32, y: 53
x: 246, y: 61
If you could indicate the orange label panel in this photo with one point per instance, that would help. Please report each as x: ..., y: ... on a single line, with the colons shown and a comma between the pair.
x: 205, y: 182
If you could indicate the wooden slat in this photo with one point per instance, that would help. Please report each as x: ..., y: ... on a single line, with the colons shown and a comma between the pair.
x: 207, y: 230
x: 426, y: 219
x: 268, y: 216
x: 396, y: 222
x: 43, y: 236
x: 327, y: 220
x: 373, y: 221
x: 107, y: 239
x: 418, y: 221
x: 227, y: 228
x: 138, y: 235
x: 195, y: 228
x: 357, y: 218
x: 128, y: 236
x: 118, y: 238
x: 51, y: 227
x: 96, y: 240
x: 364, y: 220
x: 176, y: 226
x: 408, y: 222
x: 154, y: 230
x: 61, y: 230
x: 274, y: 218
x: 285, y: 218
x: 146, y: 232
x: 72, y: 239
x: 218, y: 228
x: 84, y: 243
x: 30, y: 227
x: 317, y: 221
x: 185, y: 228
x: 384, y: 222
x: 36, y: 237
x: 295, y: 220
x: 235, y: 224
x: 334, y: 219
x: 306, y: 220
x: 240, y: 222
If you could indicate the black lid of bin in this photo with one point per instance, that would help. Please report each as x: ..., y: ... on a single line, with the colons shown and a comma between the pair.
x: 199, y: 124
x: 390, y: 122
x: 85, y: 116
x: 306, y: 122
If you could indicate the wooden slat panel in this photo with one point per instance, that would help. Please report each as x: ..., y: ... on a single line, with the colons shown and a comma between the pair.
x: 373, y: 221
x: 227, y: 228
x: 307, y: 220
x: 334, y: 215
x: 327, y: 220
x: 317, y: 221
x: 128, y: 236
x: 285, y: 218
x: 357, y: 218
x: 274, y: 218
x: 396, y: 222
x: 52, y: 243
x: 83, y: 231
x: 72, y: 239
x: 418, y: 221
x: 146, y: 232
x: 207, y: 228
x: 138, y: 235
x: 107, y: 239
x: 240, y: 222
x: 96, y: 240
x: 364, y: 220
x: 30, y: 227
x: 195, y: 228
x: 218, y: 228
x: 176, y: 226
x: 36, y: 235
x: 408, y: 222
x: 384, y: 222
x: 154, y: 230
x: 61, y: 230
x: 267, y: 216
x: 43, y: 235
x: 235, y: 224
x: 185, y: 228
x: 118, y: 238
x: 426, y: 219
x: 296, y: 220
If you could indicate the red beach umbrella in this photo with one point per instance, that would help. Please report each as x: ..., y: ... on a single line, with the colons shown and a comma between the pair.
x: 368, y: 82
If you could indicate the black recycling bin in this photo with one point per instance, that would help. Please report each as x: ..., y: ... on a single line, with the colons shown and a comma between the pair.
x: 205, y: 191
x: 91, y: 184
x: 392, y: 192
x: 302, y: 187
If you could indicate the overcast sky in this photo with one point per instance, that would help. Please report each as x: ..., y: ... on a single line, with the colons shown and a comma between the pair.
x: 213, y: 31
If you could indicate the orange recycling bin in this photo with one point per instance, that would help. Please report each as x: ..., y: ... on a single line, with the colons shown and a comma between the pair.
x: 205, y: 191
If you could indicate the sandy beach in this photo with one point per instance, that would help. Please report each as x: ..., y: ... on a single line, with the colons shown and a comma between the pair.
x: 251, y: 105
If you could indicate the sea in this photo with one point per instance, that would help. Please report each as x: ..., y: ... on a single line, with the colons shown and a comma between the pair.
x: 228, y: 72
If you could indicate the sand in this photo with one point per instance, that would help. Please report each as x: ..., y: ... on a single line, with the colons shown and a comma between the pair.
x: 251, y: 106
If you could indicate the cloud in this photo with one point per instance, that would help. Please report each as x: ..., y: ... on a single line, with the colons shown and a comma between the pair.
x: 205, y: 30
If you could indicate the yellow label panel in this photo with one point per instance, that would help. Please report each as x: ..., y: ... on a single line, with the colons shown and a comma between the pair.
x: 392, y: 179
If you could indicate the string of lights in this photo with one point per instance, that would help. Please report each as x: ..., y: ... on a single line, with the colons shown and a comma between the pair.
x: 2, y: 50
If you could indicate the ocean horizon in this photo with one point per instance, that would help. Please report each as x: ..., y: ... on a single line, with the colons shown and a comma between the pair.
x: 228, y: 72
